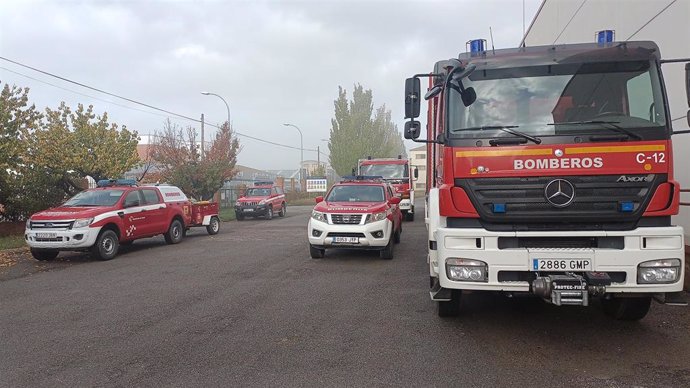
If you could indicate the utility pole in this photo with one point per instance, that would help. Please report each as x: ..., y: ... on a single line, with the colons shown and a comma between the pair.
x: 202, y: 136
x: 318, y: 158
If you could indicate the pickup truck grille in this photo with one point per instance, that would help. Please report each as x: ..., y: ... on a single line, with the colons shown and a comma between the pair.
x: 249, y: 203
x: 597, y: 199
x: 59, y: 225
x: 351, y: 219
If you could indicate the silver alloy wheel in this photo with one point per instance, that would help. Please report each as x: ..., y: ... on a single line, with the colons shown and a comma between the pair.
x: 108, y: 245
x: 214, y: 224
x: 176, y: 231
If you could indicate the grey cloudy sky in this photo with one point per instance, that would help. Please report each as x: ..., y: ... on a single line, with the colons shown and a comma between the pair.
x: 273, y: 61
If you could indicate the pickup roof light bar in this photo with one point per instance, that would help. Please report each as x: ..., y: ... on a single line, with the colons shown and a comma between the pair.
x: 263, y: 183
x: 116, y: 182
x: 360, y: 178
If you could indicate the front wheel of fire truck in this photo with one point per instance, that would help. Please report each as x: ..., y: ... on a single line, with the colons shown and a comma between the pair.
x: 107, y: 245
x: 409, y: 216
x: 283, y: 210
x: 214, y: 226
x: 450, y: 308
x: 44, y: 254
x: 175, y: 232
x: 316, y: 253
x: 626, y: 309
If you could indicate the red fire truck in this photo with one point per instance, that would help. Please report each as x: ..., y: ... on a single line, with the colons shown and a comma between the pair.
x: 550, y: 173
x: 397, y: 173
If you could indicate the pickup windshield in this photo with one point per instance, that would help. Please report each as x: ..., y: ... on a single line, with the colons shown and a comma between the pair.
x: 561, y: 99
x: 256, y: 192
x: 95, y: 198
x: 356, y: 193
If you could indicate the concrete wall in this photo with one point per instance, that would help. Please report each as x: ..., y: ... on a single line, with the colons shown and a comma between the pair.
x: 575, y: 21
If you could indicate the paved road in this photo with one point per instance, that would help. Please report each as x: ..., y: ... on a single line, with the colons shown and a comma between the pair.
x: 248, y: 307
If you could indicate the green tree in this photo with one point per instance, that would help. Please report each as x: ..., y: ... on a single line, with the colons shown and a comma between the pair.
x: 75, y: 144
x: 17, y: 119
x: 179, y: 161
x: 355, y: 134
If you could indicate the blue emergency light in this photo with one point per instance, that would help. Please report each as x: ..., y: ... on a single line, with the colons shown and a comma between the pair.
x: 499, y: 207
x: 476, y: 46
x: 362, y: 178
x: 605, y: 36
x: 116, y: 182
x: 626, y: 207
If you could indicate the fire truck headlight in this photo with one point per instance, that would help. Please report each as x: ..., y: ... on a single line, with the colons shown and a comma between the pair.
x: 466, y: 270
x: 658, y: 271
x: 82, y: 222
x: 376, y: 217
x: 318, y: 216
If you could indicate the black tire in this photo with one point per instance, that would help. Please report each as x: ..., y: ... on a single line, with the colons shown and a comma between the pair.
x: 450, y: 308
x: 214, y: 226
x: 387, y: 252
x: 44, y: 254
x: 316, y: 253
x: 175, y: 232
x: 239, y: 216
x: 106, y: 247
x: 626, y: 309
x: 283, y: 210
x: 409, y: 216
x: 269, y: 213
x: 396, y: 236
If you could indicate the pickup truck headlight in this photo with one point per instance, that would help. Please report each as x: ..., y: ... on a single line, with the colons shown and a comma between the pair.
x: 82, y: 222
x: 262, y: 202
x: 28, y: 223
x: 238, y: 203
x: 658, y: 271
x: 318, y: 216
x: 376, y: 217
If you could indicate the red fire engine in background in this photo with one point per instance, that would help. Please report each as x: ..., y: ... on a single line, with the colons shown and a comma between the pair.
x: 397, y: 173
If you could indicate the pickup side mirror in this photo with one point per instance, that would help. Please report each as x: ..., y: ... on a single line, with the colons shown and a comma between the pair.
x: 416, y: 173
x: 319, y: 199
x: 412, y: 129
x: 394, y: 200
x: 412, y: 100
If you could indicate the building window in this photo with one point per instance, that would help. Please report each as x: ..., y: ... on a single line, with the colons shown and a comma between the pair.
x: 420, y: 156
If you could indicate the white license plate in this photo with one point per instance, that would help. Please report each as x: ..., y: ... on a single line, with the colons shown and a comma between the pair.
x: 561, y: 265
x: 247, y: 210
x: 46, y: 235
x: 346, y: 240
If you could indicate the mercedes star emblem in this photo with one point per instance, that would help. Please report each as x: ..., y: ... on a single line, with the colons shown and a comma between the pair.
x: 559, y: 192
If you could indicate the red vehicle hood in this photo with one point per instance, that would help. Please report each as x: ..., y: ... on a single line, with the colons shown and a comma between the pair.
x: 351, y: 207
x: 68, y: 213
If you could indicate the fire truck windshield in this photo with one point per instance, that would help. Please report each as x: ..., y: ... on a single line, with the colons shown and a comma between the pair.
x: 387, y: 171
x: 562, y: 99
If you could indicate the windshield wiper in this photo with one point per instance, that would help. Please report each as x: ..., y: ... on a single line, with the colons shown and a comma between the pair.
x: 613, y: 127
x: 504, y: 128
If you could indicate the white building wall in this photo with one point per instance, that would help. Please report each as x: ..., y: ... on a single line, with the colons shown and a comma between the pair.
x: 663, y: 21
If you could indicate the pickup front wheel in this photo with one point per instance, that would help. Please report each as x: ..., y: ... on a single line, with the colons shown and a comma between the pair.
x: 107, y: 245
x: 174, y: 233
x: 626, y: 309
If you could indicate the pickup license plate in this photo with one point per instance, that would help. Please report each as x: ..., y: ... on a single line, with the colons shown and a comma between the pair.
x: 346, y: 240
x: 46, y: 235
x: 561, y: 265
x: 247, y: 210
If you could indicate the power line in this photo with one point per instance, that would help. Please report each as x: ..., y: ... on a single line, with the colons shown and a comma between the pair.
x: 144, y: 104
x: 571, y: 19
x: 650, y: 20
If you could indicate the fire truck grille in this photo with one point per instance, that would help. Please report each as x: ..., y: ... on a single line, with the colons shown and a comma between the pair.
x: 64, y: 225
x: 595, y: 199
x: 353, y: 219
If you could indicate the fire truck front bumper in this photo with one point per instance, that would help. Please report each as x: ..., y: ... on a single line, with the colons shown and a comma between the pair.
x: 405, y: 204
x: 71, y: 239
x: 373, y: 235
x: 639, y: 261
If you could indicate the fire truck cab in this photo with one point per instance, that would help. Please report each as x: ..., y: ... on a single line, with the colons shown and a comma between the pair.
x: 550, y: 173
x: 395, y: 171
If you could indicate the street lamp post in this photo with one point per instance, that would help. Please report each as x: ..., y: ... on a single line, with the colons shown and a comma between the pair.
x: 226, y: 103
x: 301, y: 149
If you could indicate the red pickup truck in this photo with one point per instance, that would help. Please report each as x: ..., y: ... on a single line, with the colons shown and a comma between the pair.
x: 117, y: 212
